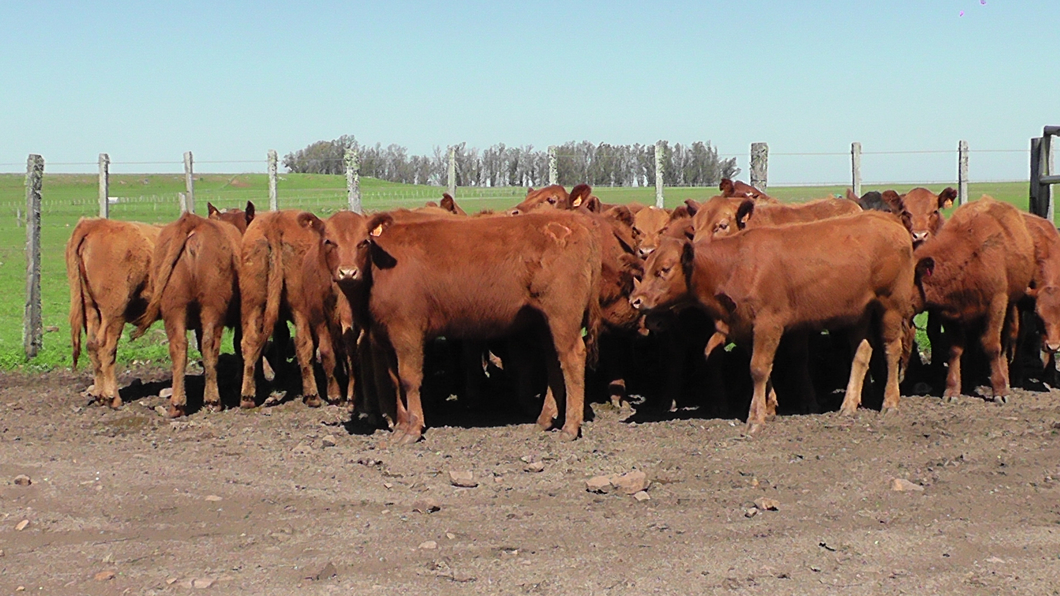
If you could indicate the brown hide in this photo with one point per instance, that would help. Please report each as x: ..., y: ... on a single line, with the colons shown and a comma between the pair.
x: 764, y: 282
x: 648, y: 224
x: 344, y: 256
x: 735, y: 188
x: 724, y: 216
x: 976, y: 268
x: 482, y: 278
x: 1046, y: 282
x: 237, y: 217
x: 276, y: 277
x: 554, y: 196
x: 194, y: 285
x: 108, y: 270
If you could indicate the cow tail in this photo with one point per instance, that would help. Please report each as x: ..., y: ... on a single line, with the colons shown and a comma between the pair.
x: 75, y: 278
x: 273, y: 282
x: 594, y: 311
x: 161, y: 272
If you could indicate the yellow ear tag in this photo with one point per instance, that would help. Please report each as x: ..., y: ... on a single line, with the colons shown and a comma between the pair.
x: 578, y: 202
x: 378, y: 230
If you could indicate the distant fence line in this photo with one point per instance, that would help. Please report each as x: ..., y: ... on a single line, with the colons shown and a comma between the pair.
x: 1042, y: 176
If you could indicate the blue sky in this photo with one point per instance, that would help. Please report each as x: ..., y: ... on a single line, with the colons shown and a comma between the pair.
x: 147, y: 81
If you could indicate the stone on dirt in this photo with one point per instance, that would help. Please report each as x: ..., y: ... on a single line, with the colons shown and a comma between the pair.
x: 537, y: 466
x: 161, y: 410
x: 902, y: 485
x: 598, y: 484
x: 327, y: 571
x: 103, y: 576
x: 753, y: 511
x: 166, y: 393
x: 642, y: 496
x: 428, y: 545
x: 767, y: 504
x: 329, y: 441
x: 22, y: 480
x: 631, y: 483
x: 462, y: 479
x: 213, y: 498
x: 427, y: 505
x: 22, y: 525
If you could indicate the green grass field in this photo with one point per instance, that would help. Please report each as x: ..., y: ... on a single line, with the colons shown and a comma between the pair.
x: 153, y: 198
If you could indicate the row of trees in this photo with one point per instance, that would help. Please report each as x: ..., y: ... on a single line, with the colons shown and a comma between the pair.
x: 697, y: 164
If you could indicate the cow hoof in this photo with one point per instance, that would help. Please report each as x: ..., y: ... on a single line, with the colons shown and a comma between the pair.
x: 409, y: 438
x: 753, y: 428
x: 214, y: 407
x: 247, y: 403
x: 115, y: 403
x: 1000, y: 399
x: 848, y: 411
x: 889, y: 411
x: 175, y: 411
x: 544, y: 422
x: 313, y: 401
x: 949, y: 398
x: 567, y: 435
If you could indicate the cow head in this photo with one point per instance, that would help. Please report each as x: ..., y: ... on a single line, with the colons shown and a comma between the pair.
x: 346, y: 246
x: 648, y: 224
x: 735, y: 188
x: 376, y: 253
x: 450, y: 205
x: 555, y: 197
x: 666, y: 275
x: 721, y: 216
x: 1047, y: 307
x: 920, y: 210
x: 238, y: 218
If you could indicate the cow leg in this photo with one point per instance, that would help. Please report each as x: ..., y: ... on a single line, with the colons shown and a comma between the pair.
x: 892, y: 329
x: 210, y: 346
x: 766, y: 340
x: 251, y: 346
x: 570, y: 349
x: 858, y: 368
x: 798, y: 351
x: 108, y: 353
x: 328, y: 361
x: 177, y: 332
x: 92, y: 346
x: 991, y: 341
x: 955, y: 336
x: 410, y: 371
x: 303, y: 349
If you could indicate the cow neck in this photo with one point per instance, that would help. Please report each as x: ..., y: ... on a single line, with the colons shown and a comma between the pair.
x: 712, y: 266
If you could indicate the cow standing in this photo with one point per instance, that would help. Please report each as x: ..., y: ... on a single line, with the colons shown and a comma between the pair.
x: 195, y: 284
x: 974, y: 269
x: 479, y: 279
x: 764, y: 282
x: 108, y: 267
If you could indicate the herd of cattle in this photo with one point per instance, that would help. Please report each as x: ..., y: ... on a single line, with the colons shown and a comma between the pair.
x: 564, y: 281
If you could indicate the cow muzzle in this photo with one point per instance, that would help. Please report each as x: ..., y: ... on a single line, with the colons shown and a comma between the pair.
x: 919, y: 237
x: 349, y: 274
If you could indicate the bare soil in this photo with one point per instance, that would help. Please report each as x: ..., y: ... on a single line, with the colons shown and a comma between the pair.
x: 261, y: 501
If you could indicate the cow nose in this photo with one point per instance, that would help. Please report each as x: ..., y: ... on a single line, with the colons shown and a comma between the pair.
x: 644, y: 251
x: 919, y: 236
x: 515, y: 212
x: 348, y: 273
x: 636, y: 302
x: 1053, y: 347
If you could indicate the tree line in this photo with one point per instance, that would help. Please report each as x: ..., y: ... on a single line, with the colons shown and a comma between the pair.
x: 604, y: 164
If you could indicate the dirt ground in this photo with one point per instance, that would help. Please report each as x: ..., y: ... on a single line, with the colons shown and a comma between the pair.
x: 287, y: 500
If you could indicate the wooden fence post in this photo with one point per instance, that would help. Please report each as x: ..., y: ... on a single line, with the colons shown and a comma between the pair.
x: 273, y: 200
x: 32, y: 330
x: 759, y: 165
x: 104, y: 185
x: 553, y: 168
x: 189, y: 184
x: 182, y: 198
x: 353, y: 180
x: 855, y: 166
x: 962, y: 172
x: 1036, y: 160
x: 452, y: 172
x: 1047, y: 168
x: 659, y: 171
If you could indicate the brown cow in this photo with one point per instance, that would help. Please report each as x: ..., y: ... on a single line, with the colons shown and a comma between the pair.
x: 1045, y: 287
x: 238, y: 218
x: 920, y: 210
x: 195, y: 284
x: 724, y: 216
x: 277, y: 279
x: 108, y: 267
x: 478, y: 279
x: 735, y: 188
x: 648, y: 224
x: 554, y: 196
x: 977, y: 268
x: 759, y: 284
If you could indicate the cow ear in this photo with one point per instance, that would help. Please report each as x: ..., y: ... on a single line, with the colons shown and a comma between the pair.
x: 893, y: 200
x: 850, y: 195
x: 430, y: 204
x: 211, y: 210
x: 593, y: 204
x: 579, y: 194
x: 692, y: 207
x: 249, y: 212
x: 679, y: 212
x: 620, y: 214
x: 529, y: 189
x: 907, y: 220
x: 924, y: 268
x: 378, y: 223
x: 726, y: 187
x: 447, y: 203
x: 744, y: 213
x: 947, y: 197
x: 308, y: 220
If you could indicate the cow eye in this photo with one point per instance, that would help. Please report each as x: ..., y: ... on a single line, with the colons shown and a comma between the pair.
x: 362, y: 244
x: 552, y: 200
x: 723, y: 225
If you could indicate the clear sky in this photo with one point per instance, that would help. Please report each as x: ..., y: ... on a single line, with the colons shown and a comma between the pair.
x: 146, y: 81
